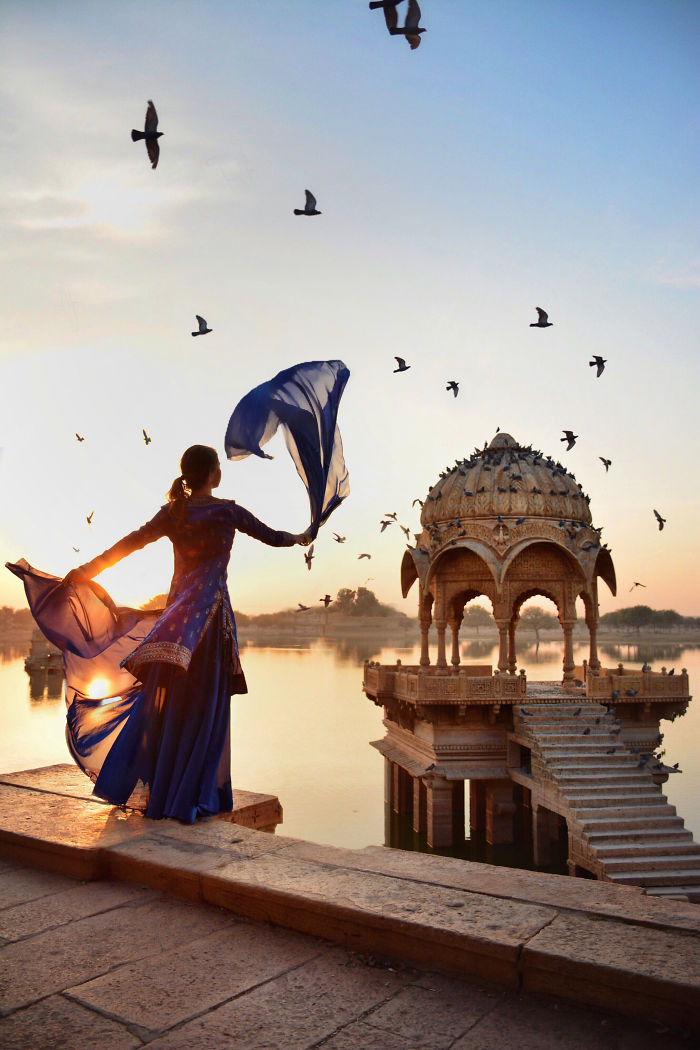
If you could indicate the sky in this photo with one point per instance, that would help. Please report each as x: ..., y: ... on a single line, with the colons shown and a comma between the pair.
x: 539, y: 154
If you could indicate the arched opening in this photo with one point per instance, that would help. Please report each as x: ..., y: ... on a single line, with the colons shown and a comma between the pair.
x: 456, y: 577
x: 537, y: 622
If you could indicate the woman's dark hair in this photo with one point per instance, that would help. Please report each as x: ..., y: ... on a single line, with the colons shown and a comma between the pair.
x: 196, y: 464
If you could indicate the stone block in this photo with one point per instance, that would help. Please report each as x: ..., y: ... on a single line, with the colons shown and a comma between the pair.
x: 166, y: 989
x: 57, y: 909
x: 641, y: 972
x: 56, y: 1024
x: 294, y: 1011
x: 21, y: 884
x: 57, y: 959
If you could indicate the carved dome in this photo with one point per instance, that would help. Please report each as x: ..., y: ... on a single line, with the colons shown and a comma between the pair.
x: 509, y: 480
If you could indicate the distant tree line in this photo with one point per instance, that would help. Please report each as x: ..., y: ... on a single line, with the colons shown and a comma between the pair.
x: 639, y: 616
x: 15, y: 619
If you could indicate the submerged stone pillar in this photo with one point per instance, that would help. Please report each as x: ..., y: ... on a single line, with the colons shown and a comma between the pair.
x: 540, y: 836
x: 454, y: 628
x: 419, y: 805
x: 402, y: 794
x: 500, y: 812
x: 477, y: 805
x: 568, y: 628
x: 439, y: 812
x: 441, y: 654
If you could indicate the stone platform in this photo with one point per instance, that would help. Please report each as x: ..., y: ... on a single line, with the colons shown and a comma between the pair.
x: 590, y: 943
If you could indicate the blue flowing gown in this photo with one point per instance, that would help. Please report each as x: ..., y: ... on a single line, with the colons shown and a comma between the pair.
x: 148, y: 694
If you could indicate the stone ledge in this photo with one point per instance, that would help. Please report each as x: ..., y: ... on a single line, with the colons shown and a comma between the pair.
x: 587, y: 942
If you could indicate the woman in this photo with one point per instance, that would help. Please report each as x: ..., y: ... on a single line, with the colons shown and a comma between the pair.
x: 161, y: 741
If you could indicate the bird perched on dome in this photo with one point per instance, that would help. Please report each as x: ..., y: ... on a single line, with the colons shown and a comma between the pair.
x: 150, y: 133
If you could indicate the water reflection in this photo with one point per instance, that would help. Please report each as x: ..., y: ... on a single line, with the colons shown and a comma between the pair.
x: 641, y: 652
x: 45, y: 684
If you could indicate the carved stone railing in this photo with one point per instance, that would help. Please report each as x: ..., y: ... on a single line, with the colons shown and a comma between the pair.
x: 432, y: 685
x: 644, y: 686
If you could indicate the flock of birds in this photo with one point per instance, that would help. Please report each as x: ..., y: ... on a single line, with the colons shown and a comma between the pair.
x: 411, y: 31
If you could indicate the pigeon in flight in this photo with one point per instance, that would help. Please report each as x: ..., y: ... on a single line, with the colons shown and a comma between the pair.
x: 150, y: 133
x: 453, y: 386
x: 637, y: 584
x: 146, y: 438
x: 79, y: 437
x: 385, y: 524
x: 326, y: 600
x: 361, y: 556
x: 310, y: 206
x: 410, y: 28
x: 339, y: 539
x: 661, y: 521
x: 308, y: 557
x: 391, y: 15
x: 570, y: 437
x: 391, y: 514
x: 607, y: 463
x: 403, y: 367
x: 90, y: 517
x: 417, y: 501
x: 302, y: 608
x: 599, y: 363
x: 203, y: 329
x: 542, y: 319
x: 76, y: 549
x: 406, y: 531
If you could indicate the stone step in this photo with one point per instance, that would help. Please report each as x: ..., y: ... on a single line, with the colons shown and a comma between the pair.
x: 565, y: 742
x: 675, y: 893
x: 627, y: 816
x: 606, y: 779
x: 621, y: 760
x: 646, y: 854
x: 669, y: 877
x: 582, y: 747
x: 621, y: 836
x: 584, y: 800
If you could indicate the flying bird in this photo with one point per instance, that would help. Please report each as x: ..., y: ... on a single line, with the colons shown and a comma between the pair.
x: 302, y: 608
x: 361, y: 556
x: 661, y: 521
x: 150, y: 133
x: 599, y: 363
x: 570, y: 437
x: 310, y: 206
x: 203, y: 329
x: 542, y: 319
x: 326, y: 600
x: 411, y: 28
x: 417, y: 501
x: 79, y: 437
x: 607, y: 463
x: 453, y: 386
x: 339, y: 539
x: 391, y: 15
x: 77, y: 550
x: 308, y: 557
x: 385, y: 524
x: 392, y: 515
x: 403, y: 367
x: 146, y: 438
x: 406, y: 531
x: 90, y: 517
x: 637, y: 584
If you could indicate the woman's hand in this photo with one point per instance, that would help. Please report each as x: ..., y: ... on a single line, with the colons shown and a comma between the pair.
x: 305, y: 538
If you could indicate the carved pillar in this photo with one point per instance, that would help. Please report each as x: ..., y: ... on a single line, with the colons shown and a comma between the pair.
x: 455, y: 624
x: 401, y: 790
x: 425, y: 618
x: 458, y: 829
x: 568, y: 628
x: 511, y: 644
x: 500, y: 812
x: 441, y: 626
x: 503, y: 628
x: 439, y: 812
x: 388, y: 780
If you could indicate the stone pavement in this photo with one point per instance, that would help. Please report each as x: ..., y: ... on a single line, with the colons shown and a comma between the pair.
x: 114, y: 966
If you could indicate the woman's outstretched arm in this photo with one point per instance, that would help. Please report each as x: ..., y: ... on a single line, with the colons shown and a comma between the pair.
x: 252, y: 526
x: 148, y: 533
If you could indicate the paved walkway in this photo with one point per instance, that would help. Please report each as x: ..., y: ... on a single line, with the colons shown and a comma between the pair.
x: 113, y: 966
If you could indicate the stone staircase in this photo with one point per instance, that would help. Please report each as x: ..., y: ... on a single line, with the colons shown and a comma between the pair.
x: 626, y: 830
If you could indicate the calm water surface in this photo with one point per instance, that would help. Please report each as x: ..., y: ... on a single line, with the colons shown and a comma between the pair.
x: 302, y: 732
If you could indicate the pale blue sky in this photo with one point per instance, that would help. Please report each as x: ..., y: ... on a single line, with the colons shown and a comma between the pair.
x: 526, y: 154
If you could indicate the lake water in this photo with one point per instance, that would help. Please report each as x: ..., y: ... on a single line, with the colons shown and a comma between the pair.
x: 302, y: 732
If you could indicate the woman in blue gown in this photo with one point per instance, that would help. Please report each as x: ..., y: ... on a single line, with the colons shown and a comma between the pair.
x: 148, y: 694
